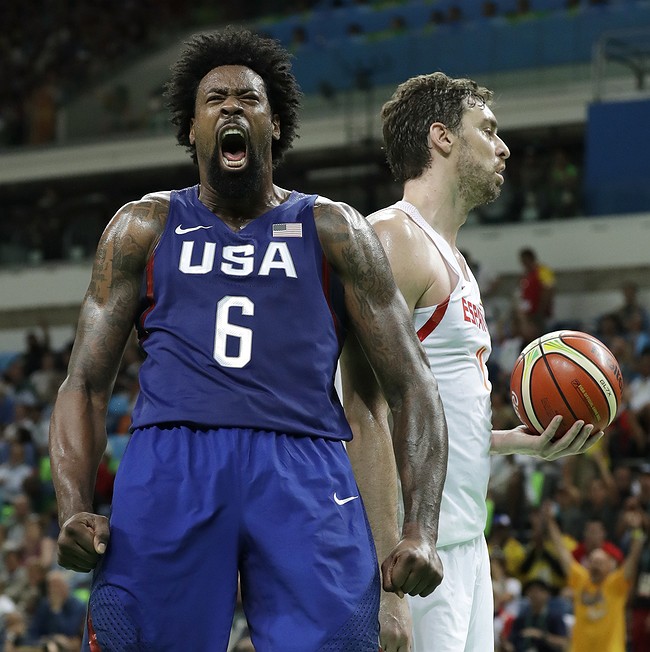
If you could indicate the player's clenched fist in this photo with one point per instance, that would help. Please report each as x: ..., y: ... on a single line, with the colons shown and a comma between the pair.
x: 412, y: 567
x: 82, y: 541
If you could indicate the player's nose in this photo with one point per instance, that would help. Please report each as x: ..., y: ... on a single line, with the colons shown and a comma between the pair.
x: 231, y: 106
x: 502, y: 149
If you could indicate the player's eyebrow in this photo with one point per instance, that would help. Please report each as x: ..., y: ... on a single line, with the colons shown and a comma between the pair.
x: 490, y: 122
x: 222, y: 90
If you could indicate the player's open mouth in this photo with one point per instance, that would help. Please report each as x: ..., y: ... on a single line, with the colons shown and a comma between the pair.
x: 232, y: 142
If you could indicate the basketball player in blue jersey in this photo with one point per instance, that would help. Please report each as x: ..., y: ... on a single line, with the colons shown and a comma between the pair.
x: 441, y: 142
x: 242, y: 293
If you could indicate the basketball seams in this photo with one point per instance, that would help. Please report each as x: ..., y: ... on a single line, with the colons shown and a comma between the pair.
x: 570, y: 359
x: 551, y: 375
x: 526, y: 384
x: 591, y: 369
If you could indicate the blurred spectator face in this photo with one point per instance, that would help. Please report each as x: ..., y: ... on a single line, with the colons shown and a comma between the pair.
x: 57, y: 587
x: 600, y: 565
x: 528, y: 260
x: 35, y: 572
x: 16, y: 454
x: 539, y: 596
x: 22, y: 506
x: 33, y: 529
x: 15, y: 372
x: 12, y: 560
x: 594, y: 534
x: 623, y: 478
x: 597, y: 492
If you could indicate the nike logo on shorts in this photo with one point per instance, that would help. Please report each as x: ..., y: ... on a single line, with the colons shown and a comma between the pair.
x: 181, y: 231
x: 342, y: 501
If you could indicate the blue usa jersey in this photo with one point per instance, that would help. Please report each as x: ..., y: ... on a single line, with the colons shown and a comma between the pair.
x: 241, y: 329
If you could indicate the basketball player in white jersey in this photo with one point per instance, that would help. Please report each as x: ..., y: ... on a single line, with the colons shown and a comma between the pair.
x: 441, y: 142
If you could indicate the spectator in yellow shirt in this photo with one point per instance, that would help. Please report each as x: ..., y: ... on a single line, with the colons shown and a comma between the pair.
x: 600, y: 589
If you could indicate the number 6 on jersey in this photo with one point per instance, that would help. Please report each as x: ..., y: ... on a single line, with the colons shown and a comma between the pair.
x: 225, y: 329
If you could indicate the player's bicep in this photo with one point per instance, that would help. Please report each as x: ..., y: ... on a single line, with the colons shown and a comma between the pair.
x: 111, y: 302
x: 378, y: 312
x: 406, y: 276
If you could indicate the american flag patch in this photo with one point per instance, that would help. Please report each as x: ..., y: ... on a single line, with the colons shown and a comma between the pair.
x: 287, y: 230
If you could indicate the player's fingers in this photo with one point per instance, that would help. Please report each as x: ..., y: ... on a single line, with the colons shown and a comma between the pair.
x: 77, y: 557
x: 426, y: 584
x: 415, y: 579
x: 550, y: 430
x: 387, y: 581
x: 574, y: 432
x: 592, y: 440
x: 574, y: 442
x: 102, y: 535
x: 400, y: 575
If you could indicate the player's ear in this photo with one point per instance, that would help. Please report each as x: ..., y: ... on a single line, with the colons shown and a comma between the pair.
x: 441, y: 138
x: 191, y: 135
x: 275, y: 121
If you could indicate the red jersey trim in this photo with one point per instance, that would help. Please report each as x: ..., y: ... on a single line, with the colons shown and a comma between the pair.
x: 92, y: 637
x: 150, y: 299
x: 326, y: 292
x: 430, y: 324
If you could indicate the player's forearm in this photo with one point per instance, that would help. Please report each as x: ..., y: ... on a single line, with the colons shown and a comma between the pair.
x: 77, y: 443
x: 373, y: 462
x: 420, y: 444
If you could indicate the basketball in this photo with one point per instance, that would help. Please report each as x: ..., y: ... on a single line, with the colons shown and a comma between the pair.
x: 569, y: 373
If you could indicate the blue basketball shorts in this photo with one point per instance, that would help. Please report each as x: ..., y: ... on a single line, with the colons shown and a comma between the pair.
x: 192, y: 509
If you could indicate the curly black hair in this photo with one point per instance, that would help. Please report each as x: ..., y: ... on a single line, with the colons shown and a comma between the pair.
x: 234, y: 46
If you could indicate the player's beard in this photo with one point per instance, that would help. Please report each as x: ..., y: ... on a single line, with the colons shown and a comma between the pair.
x: 236, y: 185
x: 477, y: 185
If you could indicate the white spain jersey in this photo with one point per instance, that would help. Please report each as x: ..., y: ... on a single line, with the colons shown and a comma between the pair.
x: 455, y: 337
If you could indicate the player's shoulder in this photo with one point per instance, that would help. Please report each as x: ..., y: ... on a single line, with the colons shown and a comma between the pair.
x: 389, y: 217
x: 325, y: 204
x: 329, y: 213
x: 393, y: 225
x: 142, y: 220
x: 152, y: 207
x: 159, y: 197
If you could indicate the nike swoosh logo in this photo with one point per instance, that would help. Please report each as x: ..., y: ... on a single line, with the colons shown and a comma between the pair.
x: 181, y: 231
x: 342, y: 501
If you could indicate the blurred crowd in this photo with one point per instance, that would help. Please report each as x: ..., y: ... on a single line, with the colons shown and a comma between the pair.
x: 543, y: 183
x: 600, y: 501
x: 49, y: 57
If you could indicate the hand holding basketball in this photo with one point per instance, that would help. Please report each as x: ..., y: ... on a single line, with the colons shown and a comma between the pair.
x: 566, y: 373
x: 578, y: 439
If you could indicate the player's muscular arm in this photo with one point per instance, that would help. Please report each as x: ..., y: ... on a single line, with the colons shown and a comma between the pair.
x: 373, y: 461
x: 411, y: 257
x: 382, y: 325
x: 78, y: 424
